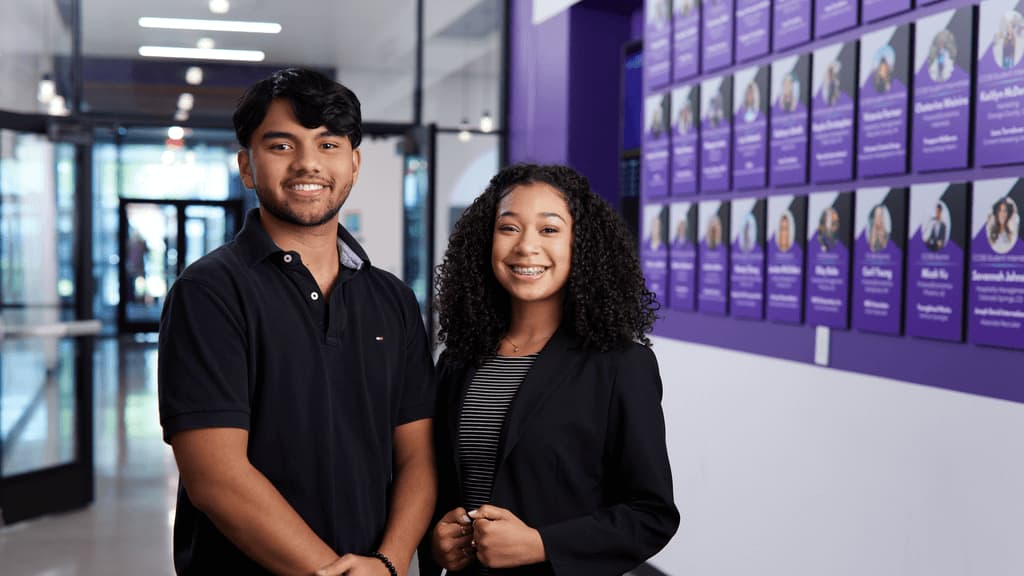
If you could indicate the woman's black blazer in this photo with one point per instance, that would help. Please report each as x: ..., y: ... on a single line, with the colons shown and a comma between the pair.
x: 581, y: 457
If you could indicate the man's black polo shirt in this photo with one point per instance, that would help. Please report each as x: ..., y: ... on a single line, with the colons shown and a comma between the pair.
x: 247, y: 341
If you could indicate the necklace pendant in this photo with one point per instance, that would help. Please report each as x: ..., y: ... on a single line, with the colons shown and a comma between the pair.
x: 515, y: 349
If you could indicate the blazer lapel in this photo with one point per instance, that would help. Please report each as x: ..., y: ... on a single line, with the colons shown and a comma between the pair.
x: 548, y: 372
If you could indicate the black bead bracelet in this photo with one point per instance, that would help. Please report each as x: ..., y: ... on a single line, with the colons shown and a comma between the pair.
x: 387, y: 562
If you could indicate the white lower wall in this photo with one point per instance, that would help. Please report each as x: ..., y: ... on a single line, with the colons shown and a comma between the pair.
x: 787, y: 469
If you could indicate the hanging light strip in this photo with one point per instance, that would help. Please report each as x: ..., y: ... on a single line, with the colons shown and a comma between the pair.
x: 201, y: 54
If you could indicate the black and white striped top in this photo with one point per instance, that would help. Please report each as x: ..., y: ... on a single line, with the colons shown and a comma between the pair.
x: 483, y: 417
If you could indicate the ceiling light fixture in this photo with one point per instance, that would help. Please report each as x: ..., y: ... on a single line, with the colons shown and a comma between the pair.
x: 181, y: 116
x: 219, y: 6
x: 47, y: 89
x: 486, y: 122
x: 200, y: 54
x: 194, y: 75
x: 464, y: 135
x: 185, y: 101
x: 206, y: 44
x: 175, y: 132
x: 210, y: 25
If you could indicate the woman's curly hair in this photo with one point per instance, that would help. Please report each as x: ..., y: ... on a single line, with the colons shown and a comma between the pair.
x: 607, y: 302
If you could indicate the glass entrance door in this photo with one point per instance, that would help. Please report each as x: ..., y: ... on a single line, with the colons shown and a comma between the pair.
x: 45, y: 336
x: 158, y: 239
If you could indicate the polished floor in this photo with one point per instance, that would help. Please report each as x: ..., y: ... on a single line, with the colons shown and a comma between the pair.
x: 127, y: 529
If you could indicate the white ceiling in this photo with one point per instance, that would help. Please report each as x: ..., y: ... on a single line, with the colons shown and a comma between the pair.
x: 371, y: 44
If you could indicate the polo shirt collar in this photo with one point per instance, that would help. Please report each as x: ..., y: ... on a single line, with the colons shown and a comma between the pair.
x: 256, y: 245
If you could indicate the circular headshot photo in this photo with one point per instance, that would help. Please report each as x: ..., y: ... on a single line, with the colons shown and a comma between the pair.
x: 748, y: 234
x: 1003, y: 225
x: 942, y: 56
x: 879, y: 228
x: 713, y: 236
x: 789, y: 96
x: 828, y: 229
x: 884, y: 66
x: 935, y: 229
x: 784, y: 233
x: 830, y: 86
x: 1008, y: 45
x: 751, y: 102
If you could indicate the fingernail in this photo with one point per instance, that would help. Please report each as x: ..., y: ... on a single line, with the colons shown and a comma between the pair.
x: 466, y: 519
x: 472, y: 513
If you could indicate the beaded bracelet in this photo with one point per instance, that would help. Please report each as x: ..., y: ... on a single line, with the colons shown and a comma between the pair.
x: 387, y: 562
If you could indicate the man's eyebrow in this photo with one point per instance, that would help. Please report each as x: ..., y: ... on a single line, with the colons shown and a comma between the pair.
x: 289, y: 136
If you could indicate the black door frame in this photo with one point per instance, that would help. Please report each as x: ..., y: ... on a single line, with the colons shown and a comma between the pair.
x: 71, y: 485
x: 232, y: 207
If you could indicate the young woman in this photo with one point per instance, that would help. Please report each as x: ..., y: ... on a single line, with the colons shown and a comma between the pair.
x: 549, y: 425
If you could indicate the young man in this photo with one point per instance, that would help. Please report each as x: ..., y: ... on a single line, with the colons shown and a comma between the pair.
x: 296, y: 384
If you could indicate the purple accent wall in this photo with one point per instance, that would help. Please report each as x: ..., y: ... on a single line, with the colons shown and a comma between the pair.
x: 539, y: 129
x: 538, y: 87
x: 559, y: 84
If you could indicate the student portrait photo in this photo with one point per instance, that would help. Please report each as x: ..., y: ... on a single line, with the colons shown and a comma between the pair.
x: 655, y: 239
x: 1008, y: 46
x: 1003, y: 225
x: 684, y: 119
x: 679, y: 238
x: 714, y: 233
x: 879, y: 228
x: 831, y: 86
x: 684, y: 7
x: 885, y: 62
x: 748, y: 234
x: 784, y: 235
x: 942, y: 56
x: 790, y: 88
x: 935, y: 231
x: 828, y: 229
x: 751, y: 102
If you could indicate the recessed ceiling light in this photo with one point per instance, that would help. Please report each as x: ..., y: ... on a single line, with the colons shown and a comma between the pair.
x: 175, y: 132
x: 194, y: 75
x: 200, y: 54
x: 219, y: 6
x: 210, y: 25
x: 206, y: 44
x: 181, y: 116
x: 186, y: 101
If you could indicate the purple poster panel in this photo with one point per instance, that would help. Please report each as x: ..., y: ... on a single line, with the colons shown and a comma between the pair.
x: 830, y: 226
x: 654, y: 249
x: 655, y: 146
x: 685, y: 39
x: 716, y: 34
x: 831, y: 16
x: 942, y: 90
x: 715, y: 134
x: 1000, y: 103
x: 746, y: 284
x: 753, y: 23
x: 685, y: 114
x: 882, y: 130
x: 832, y: 112
x: 657, y: 44
x: 792, y: 23
x: 935, y: 261
x: 790, y: 112
x: 787, y: 223
x: 750, y: 128
x: 996, y: 301
x: 881, y: 228
x: 713, y: 258
x: 878, y: 9
x: 682, y: 256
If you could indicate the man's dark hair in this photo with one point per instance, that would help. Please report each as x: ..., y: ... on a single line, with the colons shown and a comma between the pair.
x: 316, y: 100
x: 607, y: 303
